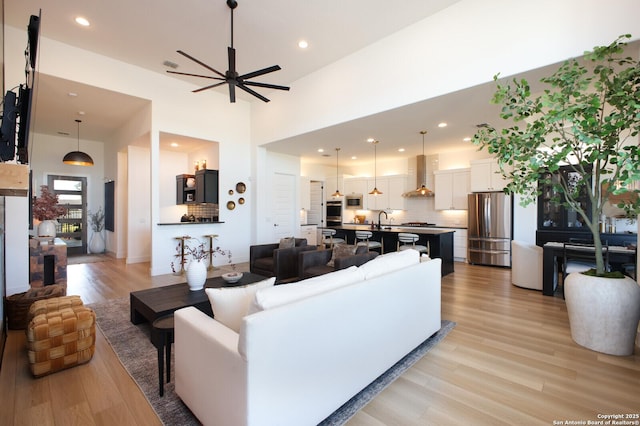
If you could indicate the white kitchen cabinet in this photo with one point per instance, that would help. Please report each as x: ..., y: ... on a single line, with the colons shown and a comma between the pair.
x: 355, y: 186
x: 377, y: 202
x: 305, y: 193
x: 460, y: 245
x: 330, y: 187
x: 310, y: 232
x: 485, y: 176
x: 451, y: 189
x: 397, y: 187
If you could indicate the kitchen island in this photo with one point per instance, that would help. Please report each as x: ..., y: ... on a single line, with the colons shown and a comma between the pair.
x: 440, y: 240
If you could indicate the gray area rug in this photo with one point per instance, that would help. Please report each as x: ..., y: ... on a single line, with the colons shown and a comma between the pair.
x: 134, y: 349
x: 87, y: 258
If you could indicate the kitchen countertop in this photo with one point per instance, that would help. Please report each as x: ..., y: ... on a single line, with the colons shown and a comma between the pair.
x: 395, y: 229
x: 189, y: 223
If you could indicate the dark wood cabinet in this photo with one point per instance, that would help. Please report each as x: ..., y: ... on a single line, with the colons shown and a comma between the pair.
x: 185, y: 191
x: 551, y: 214
x: 207, y: 186
x: 199, y: 188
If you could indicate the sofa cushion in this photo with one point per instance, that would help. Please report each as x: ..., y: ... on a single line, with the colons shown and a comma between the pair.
x: 230, y: 304
x: 288, y: 242
x: 341, y: 250
x: 279, y: 295
x: 390, y: 262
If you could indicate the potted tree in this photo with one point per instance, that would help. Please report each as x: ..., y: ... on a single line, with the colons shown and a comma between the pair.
x: 588, y: 119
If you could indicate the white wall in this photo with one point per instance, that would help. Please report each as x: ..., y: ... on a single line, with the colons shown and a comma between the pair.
x: 459, y: 47
x: 16, y: 245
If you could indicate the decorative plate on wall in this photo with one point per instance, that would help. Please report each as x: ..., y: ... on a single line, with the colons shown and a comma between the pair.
x: 231, y: 192
x: 241, y: 200
x: 241, y: 187
x: 231, y: 205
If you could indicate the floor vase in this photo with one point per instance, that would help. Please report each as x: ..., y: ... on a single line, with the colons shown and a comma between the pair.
x: 603, y: 312
x: 196, y: 275
x: 96, y: 245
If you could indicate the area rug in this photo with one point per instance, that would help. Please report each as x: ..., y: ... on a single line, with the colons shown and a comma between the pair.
x: 134, y: 349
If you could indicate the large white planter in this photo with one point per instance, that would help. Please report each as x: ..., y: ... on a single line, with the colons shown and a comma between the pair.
x: 603, y: 312
x: 196, y: 274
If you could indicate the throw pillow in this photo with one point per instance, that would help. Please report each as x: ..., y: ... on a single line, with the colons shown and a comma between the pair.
x: 288, y: 242
x: 341, y: 250
x: 230, y: 304
x: 282, y: 294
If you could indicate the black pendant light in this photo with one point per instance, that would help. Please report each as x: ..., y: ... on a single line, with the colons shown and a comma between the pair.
x: 337, y: 193
x: 78, y: 158
x: 375, y: 191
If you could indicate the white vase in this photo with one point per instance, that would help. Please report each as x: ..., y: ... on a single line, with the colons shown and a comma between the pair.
x: 47, y: 228
x: 196, y: 275
x: 603, y: 312
x: 96, y: 245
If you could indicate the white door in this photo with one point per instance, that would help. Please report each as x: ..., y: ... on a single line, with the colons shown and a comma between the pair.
x: 284, y: 205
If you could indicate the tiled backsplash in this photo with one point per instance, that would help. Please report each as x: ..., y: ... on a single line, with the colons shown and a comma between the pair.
x: 207, y: 211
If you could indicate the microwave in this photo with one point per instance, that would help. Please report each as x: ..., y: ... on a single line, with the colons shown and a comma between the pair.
x: 353, y: 202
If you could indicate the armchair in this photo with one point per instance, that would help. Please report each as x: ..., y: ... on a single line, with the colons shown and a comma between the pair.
x: 526, y: 265
x: 271, y: 261
x: 314, y: 263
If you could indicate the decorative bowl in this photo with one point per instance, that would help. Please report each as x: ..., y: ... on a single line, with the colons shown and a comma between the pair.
x: 232, y: 277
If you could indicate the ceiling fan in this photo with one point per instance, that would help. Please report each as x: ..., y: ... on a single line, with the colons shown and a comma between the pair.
x: 231, y: 77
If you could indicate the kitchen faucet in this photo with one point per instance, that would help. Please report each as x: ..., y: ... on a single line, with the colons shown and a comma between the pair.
x: 385, y: 215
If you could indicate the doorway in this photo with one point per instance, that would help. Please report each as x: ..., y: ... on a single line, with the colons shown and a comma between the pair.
x: 72, y: 226
x: 284, y: 189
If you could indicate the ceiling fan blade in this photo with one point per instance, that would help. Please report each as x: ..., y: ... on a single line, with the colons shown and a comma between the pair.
x: 186, y: 55
x: 209, y: 87
x: 260, y: 72
x: 253, y: 92
x: 232, y: 92
x: 267, y: 85
x: 195, y: 75
x: 232, y: 60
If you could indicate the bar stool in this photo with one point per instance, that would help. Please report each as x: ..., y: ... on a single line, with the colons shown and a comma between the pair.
x: 362, y: 239
x: 211, y: 250
x: 328, y: 239
x: 409, y: 242
x: 182, y: 239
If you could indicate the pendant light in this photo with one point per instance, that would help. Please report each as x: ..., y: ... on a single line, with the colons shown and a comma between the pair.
x: 337, y: 193
x: 78, y: 158
x: 423, y: 188
x: 375, y: 191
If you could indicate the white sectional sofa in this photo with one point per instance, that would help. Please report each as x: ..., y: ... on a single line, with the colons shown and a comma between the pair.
x: 304, y: 349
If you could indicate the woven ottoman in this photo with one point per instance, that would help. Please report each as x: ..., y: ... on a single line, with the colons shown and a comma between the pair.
x: 62, y: 334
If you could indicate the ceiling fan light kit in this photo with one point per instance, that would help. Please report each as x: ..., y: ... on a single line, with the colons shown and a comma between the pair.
x: 78, y: 158
x: 231, y: 76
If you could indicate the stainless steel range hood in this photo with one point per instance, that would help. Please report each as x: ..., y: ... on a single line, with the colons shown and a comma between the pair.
x: 422, y: 189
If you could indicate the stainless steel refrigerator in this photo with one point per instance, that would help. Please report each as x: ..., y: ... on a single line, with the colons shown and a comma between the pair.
x: 489, y: 233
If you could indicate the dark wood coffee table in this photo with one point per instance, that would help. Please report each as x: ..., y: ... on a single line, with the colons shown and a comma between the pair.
x: 151, y: 304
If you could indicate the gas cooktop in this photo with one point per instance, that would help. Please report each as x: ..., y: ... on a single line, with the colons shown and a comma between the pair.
x: 418, y: 224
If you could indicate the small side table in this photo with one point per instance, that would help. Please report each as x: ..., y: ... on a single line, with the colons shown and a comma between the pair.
x: 162, y: 338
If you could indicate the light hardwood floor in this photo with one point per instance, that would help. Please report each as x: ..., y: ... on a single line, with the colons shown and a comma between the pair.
x: 510, y: 360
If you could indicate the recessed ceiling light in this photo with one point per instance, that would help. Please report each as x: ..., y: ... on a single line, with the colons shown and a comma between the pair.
x: 467, y: 139
x: 302, y: 44
x: 72, y: 94
x: 175, y: 145
x: 370, y: 140
x: 320, y: 150
x: 443, y: 124
x: 354, y: 158
x: 82, y: 21
x: 400, y: 149
x: 81, y: 112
